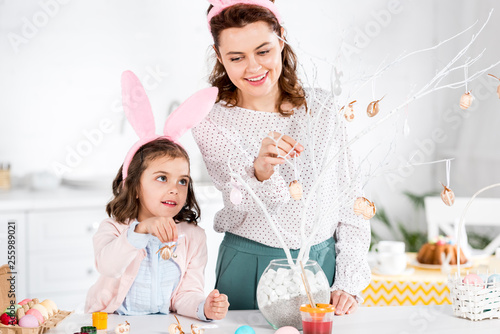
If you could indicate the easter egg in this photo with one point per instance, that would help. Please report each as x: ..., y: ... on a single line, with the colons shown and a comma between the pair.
x: 287, y: 330
x: 24, y: 301
x: 494, y: 278
x: 50, y: 306
x: 28, y: 321
x: 473, y: 279
x: 245, y: 330
x: 42, y: 310
x: 36, y: 314
x: 7, y: 319
x: 12, y: 310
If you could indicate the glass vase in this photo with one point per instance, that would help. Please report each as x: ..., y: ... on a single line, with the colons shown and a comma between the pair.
x: 281, y: 292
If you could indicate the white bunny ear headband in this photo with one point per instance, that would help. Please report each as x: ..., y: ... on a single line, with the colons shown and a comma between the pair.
x: 138, y: 111
x: 220, y: 5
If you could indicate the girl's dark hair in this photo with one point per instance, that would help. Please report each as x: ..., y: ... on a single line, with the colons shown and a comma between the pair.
x: 125, y: 205
x: 238, y: 16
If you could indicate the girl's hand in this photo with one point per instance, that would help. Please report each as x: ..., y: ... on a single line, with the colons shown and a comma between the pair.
x: 344, y: 303
x: 216, y: 305
x: 268, y: 154
x: 163, y: 228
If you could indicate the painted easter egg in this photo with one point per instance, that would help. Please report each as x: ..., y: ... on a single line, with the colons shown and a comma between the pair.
x: 473, y: 279
x: 50, y: 306
x: 447, y: 195
x: 42, y: 310
x: 236, y: 197
x: 244, y: 330
x: 295, y: 190
x: 28, y: 321
x: 8, y: 319
x: 364, y: 207
x: 287, y: 330
x: 466, y: 100
x: 36, y: 314
x: 493, y: 279
x: 24, y: 301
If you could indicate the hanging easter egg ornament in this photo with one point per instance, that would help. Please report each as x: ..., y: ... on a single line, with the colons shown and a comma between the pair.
x: 365, y: 208
x: 235, y: 196
x: 295, y: 190
x: 166, y: 252
x: 498, y: 88
x: 349, y: 111
x: 447, y: 196
x: 466, y: 100
x: 373, y: 108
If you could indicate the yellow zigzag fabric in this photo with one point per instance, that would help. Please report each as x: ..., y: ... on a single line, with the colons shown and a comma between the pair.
x: 398, y: 293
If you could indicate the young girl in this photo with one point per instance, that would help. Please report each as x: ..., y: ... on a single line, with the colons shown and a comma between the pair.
x: 260, y: 96
x: 153, y: 204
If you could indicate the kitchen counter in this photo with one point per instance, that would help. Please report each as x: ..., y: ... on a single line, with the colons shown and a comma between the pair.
x: 373, y: 320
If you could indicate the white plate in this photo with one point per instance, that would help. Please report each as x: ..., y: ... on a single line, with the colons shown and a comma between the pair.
x: 417, y: 264
x: 408, y: 271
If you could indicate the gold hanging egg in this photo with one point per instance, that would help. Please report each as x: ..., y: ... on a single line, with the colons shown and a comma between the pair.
x: 167, y: 252
x: 447, y: 196
x: 498, y: 91
x: 349, y: 111
x: 295, y: 190
x: 365, y: 208
x: 373, y: 108
x: 466, y: 100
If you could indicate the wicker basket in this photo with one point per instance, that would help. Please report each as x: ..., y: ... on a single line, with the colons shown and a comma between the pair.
x: 474, y: 302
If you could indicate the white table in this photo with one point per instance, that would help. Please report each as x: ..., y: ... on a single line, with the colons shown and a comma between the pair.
x: 372, y: 320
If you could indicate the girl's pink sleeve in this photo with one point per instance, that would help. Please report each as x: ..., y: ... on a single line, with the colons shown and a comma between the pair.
x: 191, y: 290
x: 112, y: 251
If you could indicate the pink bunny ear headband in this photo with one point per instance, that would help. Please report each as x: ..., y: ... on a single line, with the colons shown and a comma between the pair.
x: 138, y: 111
x: 220, y: 5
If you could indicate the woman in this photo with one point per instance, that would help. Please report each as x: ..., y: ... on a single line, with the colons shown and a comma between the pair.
x: 260, y: 97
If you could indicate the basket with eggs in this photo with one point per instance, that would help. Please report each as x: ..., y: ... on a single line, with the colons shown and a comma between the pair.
x: 29, y: 316
x: 475, y: 296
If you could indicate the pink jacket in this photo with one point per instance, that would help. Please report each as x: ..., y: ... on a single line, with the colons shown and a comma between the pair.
x: 118, y: 263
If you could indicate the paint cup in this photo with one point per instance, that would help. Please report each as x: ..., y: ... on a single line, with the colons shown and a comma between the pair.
x: 317, y: 320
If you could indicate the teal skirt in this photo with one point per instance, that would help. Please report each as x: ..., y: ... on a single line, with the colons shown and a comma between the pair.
x: 242, y: 261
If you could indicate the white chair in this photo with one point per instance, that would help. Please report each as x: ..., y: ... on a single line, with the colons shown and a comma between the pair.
x: 482, y: 212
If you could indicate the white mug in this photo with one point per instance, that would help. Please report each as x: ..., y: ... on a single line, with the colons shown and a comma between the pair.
x: 391, y: 263
x: 387, y: 246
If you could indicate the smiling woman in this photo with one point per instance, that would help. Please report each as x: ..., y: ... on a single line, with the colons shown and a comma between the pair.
x: 260, y: 117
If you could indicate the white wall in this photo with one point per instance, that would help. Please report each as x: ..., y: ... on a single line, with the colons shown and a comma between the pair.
x: 62, y: 81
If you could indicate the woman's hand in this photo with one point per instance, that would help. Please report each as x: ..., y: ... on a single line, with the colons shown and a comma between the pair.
x: 216, y: 305
x: 163, y: 228
x: 344, y: 303
x: 268, y: 154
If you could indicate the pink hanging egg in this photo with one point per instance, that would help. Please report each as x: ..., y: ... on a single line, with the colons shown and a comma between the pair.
x: 295, y: 190
x: 448, y: 196
x: 466, y: 100
x: 236, y: 197
x: 365, y: 208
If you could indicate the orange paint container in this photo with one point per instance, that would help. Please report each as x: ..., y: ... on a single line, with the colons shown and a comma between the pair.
x: 100, y: 320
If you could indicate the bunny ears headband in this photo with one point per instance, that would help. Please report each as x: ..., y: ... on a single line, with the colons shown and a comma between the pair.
x: 220, y: 5
x: 138, y: 111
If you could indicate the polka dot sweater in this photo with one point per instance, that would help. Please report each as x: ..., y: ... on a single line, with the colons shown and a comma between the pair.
x: 230, y: 138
